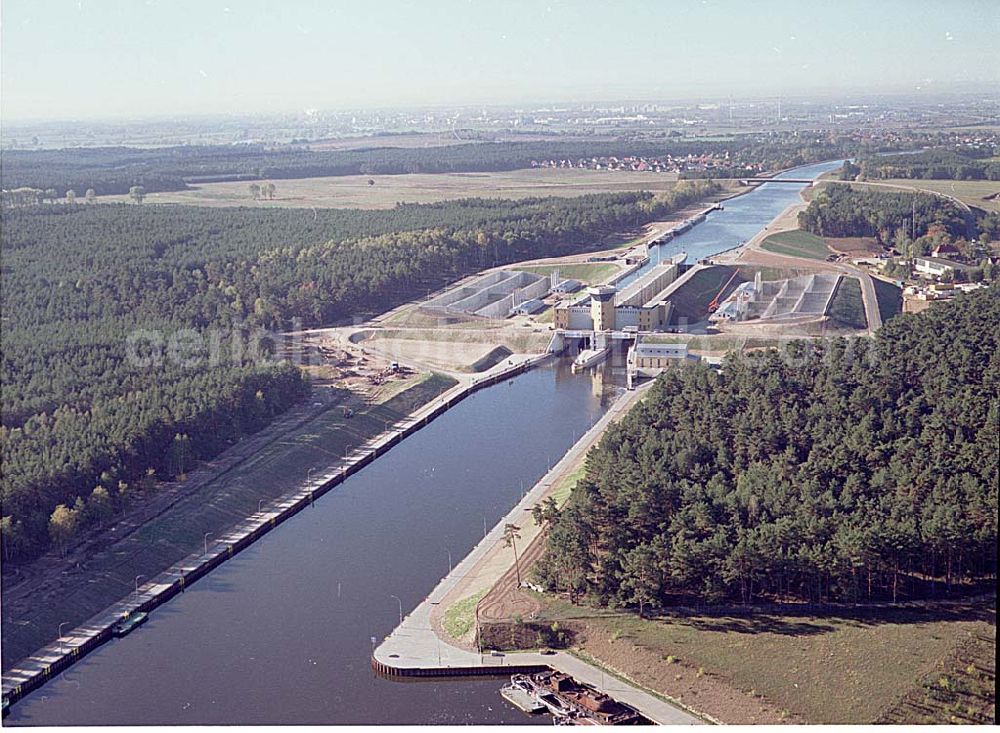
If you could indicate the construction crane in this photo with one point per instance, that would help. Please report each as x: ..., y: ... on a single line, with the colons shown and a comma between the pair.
x: 718, y: 296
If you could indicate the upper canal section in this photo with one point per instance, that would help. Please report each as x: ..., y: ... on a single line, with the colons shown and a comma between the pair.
x: 741, y: 218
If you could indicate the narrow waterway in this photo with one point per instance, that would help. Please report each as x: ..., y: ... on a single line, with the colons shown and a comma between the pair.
x: 741, y: 218
x: 282, y: 632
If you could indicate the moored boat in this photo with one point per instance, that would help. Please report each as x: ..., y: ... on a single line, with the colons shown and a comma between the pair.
x: 129, y: 623
x: 556, y: 705
x: 581, y: 704
x: 520, y: 694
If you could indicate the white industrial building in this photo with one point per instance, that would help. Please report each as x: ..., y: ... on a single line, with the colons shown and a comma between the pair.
x: 567, y: 286
x: 639, y: 305
x: 936, y: 266
x: 529, y: 307
x: 648, y: 360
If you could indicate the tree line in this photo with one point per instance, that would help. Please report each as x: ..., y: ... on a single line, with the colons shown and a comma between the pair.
x: 840, y: 210
x: 82, y: 407
x: 957, y: 164
x: 841, y: 471
x: 114, y: 170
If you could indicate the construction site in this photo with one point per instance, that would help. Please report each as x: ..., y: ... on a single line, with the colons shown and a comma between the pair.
x: 624, y: 304
x: 627, y: 315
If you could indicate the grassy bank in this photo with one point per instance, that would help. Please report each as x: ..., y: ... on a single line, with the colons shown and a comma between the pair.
x: 460, y: 618
x: 961, y: 689
x: 587, y: 272
x: 691, y: 300
x: 797, y: 243
x: 847, y: 306
x: 889, y: 299
x: 836, y: 668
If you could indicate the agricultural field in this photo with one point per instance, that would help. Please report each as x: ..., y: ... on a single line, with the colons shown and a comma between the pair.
x: 980, y: 194
x: 837, y: 668
x: 385, y: 191
x: 797, y: 243
x: 430, y: 140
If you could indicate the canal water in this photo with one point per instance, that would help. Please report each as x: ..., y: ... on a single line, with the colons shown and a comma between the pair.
x: 282, y: 633
x: 741, y: 218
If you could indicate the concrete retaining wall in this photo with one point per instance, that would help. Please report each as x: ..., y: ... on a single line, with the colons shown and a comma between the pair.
x: 500, y: 670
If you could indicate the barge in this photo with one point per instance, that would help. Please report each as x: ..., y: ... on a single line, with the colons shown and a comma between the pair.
x: 520, y: 694
x: 129, y: 623
x: 590, y: 357
x: 571, y: 702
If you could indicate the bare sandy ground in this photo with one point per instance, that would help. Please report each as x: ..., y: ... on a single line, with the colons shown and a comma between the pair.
x: 446, y: 355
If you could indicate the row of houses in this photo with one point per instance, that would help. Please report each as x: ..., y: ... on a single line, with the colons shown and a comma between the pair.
x: 654, y: 164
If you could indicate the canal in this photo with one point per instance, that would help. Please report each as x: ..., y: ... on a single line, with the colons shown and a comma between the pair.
x: 741, y: 218
x: 282, y: 633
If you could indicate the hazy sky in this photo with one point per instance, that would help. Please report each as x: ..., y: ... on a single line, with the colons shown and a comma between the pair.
x: 109, y: 58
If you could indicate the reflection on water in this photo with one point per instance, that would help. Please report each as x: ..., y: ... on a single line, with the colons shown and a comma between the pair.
x: 282, y: 632
x: 740, y: 220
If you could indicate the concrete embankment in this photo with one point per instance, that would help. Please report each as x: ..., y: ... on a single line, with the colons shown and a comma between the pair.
x: 49, y: 661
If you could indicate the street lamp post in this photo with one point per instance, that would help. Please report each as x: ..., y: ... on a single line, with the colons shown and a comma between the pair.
x: 449, y: 560
x: 137, y: 587
x: 260, y: 506
x: 309, y: 474
x: 62, y: 649
x: 207, y: 535
x: 400, y: 608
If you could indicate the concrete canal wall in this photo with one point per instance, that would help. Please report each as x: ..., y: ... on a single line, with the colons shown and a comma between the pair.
x: 54, y: 658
